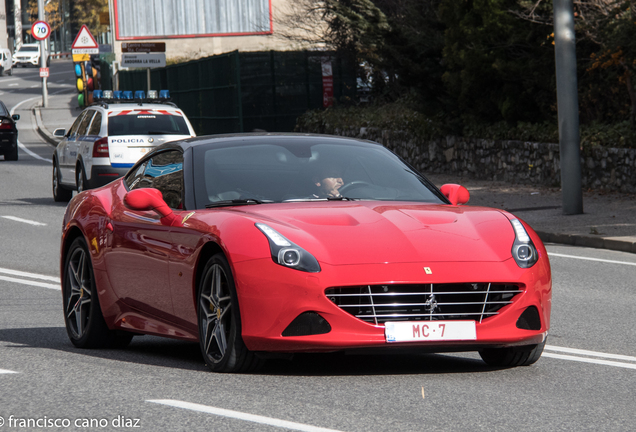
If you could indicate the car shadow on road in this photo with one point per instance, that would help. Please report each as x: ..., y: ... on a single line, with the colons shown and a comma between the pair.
x: 340, y: 364
x: 145, y: 350
x: 164, y: 352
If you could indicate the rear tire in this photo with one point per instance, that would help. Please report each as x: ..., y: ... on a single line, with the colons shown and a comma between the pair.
x: 12, y: 155
x: 220, y: 322
x: 513, y: 356
x: 60, y: 194
x: 85, y: 324
x: 80, y: 179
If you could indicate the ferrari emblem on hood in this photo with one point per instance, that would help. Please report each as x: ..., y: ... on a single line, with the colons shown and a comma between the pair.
x: 428, y: 270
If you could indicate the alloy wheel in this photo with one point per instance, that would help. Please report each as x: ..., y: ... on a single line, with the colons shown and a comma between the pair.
x: 215, y: 309
x: 78, y: 304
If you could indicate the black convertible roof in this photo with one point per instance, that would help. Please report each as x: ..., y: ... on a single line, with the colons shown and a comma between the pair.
x: 262, y: 137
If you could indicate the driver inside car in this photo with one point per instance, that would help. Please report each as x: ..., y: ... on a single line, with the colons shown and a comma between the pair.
x: 328, y: 181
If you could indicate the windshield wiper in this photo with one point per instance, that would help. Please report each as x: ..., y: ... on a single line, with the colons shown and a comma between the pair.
x: 340, y: 198
x: 234, y: 202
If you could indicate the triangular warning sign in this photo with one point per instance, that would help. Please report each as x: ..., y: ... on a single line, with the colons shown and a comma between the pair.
x: 84, y: 39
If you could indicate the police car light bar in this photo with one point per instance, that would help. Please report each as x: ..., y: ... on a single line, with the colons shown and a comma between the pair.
x: 119, y: 96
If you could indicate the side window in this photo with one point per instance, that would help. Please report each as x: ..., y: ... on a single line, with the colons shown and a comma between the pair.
x: 134, y: 177
x: 96, y: 125
x: 83, y: 126
x: 78, y: 120
x: 164, y: 171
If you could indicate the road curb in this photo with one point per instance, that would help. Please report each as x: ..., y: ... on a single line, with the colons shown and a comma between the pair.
x: 588, y: 241
x: 48, y: 136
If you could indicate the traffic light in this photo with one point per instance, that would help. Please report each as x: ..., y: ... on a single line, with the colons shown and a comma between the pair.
x: 80, y: 83
x: 88, y: 78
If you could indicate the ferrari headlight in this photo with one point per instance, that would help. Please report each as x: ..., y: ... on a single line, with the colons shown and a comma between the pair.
x: 523, y: 250
x: 286, y: 253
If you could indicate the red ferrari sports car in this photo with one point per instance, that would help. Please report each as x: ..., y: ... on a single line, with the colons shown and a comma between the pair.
x: 260, y: 244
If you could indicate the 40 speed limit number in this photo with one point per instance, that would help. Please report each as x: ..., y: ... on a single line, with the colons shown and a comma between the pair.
x: 40, y: 30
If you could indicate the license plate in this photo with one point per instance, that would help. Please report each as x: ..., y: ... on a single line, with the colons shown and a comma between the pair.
x: 419, y: 331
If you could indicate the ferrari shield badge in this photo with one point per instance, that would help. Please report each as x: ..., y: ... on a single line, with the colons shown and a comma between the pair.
x: 428, y: 270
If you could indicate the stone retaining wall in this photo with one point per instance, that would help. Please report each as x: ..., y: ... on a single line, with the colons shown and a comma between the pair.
x: 609, y: 169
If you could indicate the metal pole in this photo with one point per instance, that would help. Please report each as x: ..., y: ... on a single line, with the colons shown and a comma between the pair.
x: 568, y: 107
x: 43, y: 57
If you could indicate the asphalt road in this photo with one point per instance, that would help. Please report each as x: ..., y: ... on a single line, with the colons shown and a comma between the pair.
x: 159, y: 384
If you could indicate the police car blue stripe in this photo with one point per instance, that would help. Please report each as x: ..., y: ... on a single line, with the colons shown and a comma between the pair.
x: 121, y: 165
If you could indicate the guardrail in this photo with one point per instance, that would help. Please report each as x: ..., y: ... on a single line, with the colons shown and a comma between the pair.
x: 61, y: 55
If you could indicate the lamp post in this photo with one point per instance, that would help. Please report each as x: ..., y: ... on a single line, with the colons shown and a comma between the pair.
x: 568, y: 107
x: 43, y: 57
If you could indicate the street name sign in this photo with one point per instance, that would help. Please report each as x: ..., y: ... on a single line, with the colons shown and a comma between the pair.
x: 143, y: 47
x: 154, y: 60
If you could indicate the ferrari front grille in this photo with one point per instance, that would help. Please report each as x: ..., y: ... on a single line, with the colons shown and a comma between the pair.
x: 378, y: 304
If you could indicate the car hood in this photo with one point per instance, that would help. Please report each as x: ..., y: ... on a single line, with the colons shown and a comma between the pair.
x: 378, y: 232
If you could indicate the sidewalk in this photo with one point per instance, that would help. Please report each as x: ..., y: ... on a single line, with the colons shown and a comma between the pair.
x: 60, y: 113
x: 608, y: 221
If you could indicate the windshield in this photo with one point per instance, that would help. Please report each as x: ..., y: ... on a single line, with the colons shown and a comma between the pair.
x: 147, y: 123
x: 304, y: 170
x: 25, y: 48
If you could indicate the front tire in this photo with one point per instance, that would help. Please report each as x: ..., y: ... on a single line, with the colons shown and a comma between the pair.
x: 60, y: 194
x: 513, y: 356
x: 220, y: 321
x: 85, y: 324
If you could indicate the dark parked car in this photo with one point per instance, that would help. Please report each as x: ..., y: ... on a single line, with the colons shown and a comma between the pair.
x: 8, y: 133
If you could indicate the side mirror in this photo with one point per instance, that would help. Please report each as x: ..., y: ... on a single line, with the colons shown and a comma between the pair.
x: 455, y: 193
x: 59, y: 132
x: 150, y: 199
x: 15, y: 117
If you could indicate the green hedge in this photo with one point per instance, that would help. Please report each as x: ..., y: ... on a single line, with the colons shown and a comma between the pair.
x: 398, y: 116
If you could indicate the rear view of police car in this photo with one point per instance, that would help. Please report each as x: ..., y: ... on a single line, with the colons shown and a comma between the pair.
x: 108, y: 137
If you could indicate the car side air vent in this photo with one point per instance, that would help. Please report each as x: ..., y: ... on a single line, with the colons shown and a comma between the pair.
x: 529, y: 319
x: 307, y: 323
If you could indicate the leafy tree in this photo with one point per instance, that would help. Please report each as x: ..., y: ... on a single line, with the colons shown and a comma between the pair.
x: 83, y: 12
x: 51, y: 10
x: 86, y: 12
x: 498, y: 67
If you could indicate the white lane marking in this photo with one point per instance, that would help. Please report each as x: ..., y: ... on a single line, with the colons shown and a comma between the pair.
x: 29, y: 275
x: 32, y: 283
x: 589, y: 360
x: 590, y: 353
x: 241, y: 416
x: 4, y: 371
x: 22, y: 146
x: 26, y: 221
x: 591, y: 259
x: 30, y: 153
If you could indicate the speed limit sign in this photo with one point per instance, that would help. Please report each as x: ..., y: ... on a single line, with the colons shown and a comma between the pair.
x: 40, y: 30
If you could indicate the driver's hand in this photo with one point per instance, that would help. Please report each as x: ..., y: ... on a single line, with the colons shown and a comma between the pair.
x: 330, y: 186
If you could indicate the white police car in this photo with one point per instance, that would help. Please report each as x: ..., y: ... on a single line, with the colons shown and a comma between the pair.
x: 108, y: 137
